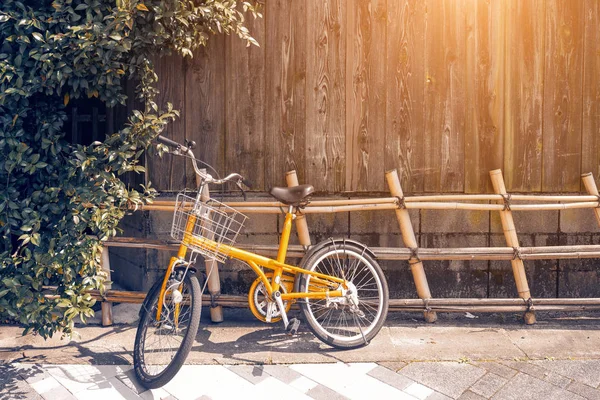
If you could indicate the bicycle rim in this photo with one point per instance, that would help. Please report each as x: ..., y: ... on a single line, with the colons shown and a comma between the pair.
x: 341, y: 324
x: 162, y: 346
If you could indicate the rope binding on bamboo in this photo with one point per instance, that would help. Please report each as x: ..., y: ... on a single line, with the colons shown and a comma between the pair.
x: 214, y: 297
x: 401, y: 202
x: 530, y: 304
x: 414, y: 256
x: 507, y: 200
x: 517, y: 253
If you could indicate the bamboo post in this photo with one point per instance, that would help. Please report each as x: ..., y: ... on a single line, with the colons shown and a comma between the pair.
x: 212, y: 274
x: 590, y: 186
x: 408, y: 236
x: 301, y: 226
x: 107, y: 315
x: 510, y: 233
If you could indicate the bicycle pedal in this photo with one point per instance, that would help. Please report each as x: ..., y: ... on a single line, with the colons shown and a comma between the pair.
x: 292, y: 327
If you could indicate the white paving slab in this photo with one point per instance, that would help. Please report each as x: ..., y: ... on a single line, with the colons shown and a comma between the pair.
x: 112, y: 389
x: 214, y: 381
x: 270, y: 386
x: 351, y: 381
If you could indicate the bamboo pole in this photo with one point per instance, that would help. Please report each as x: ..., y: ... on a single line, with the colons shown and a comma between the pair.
x: 375, y: 206
x: 413, y: 199
x: 590, y: 186
x: 291, y: 179
x: 408, y: 236
x: 106, y: 306
x: 212, y: 273
x: 510, y: 233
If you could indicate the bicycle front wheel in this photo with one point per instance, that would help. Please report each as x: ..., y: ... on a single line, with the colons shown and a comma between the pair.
x: 346, y: 322
x: 162, y: 346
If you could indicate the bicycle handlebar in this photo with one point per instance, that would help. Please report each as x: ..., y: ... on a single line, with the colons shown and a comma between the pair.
x: 180, y: 149
x: 168, y: 142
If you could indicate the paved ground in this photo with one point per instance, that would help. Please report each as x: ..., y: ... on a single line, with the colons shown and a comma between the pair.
x: 492, y: 358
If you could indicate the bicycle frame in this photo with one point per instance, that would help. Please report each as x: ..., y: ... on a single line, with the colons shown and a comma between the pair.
x: 256, y: 261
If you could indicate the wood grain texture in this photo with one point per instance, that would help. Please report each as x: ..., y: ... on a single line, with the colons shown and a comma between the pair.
x: 405, y: 85
x: 445, y: 95
x: 365, y: 95
x: 590, y: 157
x: 485, y: 93
x: 325, y: 97
x: 245, y: 105
x: 524, y: 95
x: 168, y: 173
x: 285, y: 71
x: 563, y: 96
x: 205, y: 106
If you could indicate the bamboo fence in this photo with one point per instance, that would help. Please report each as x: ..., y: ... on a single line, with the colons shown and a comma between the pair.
x: 501, y: 202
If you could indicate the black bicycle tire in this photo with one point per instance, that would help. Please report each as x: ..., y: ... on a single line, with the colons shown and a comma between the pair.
x: 177, y: 362
x: 314, y: 325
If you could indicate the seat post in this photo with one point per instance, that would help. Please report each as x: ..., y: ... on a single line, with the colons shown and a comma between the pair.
x: 285, y: 234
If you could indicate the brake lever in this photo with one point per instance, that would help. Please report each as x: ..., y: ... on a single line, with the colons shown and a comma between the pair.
x: 239, y: 185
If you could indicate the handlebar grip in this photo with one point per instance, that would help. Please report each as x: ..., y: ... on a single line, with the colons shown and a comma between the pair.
x: 248, y: 184
x: 168, y: 141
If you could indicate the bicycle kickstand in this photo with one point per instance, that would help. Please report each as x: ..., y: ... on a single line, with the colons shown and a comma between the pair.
x: 292, y: 325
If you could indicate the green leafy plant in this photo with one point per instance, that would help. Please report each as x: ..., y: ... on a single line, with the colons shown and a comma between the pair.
x: 59, y: 201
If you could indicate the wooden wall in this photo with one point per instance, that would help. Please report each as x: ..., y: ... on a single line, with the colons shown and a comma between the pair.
x: 443, y: 90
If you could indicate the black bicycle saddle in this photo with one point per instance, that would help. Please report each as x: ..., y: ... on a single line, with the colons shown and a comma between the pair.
x: 293, y: 196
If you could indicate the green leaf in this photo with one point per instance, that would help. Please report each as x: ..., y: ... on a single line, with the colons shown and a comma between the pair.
x: 38, y: 36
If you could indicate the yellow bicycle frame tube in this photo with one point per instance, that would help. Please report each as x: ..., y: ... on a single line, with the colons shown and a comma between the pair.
x: 256, y: 261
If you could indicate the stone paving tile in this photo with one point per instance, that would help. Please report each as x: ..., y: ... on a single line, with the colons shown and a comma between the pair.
x: 388, y: 376
x: 79, y: 377
x: 489, y: 384
x: 32, y: 372
x: 468, y: 395
x: 17, y: 388
x: 303, y: 384
x: 214, y: 381
x: 252, y: 373
x: 587, y: 372
x: 496, y: 368
x: 350, y: 380
x: 528, y: 368
x: 419, y: 391
x: 438, y: 396
x: 321, y: 392
x: 584, y: 390
x: 393, y: 365
x: 526, y: 387
x: 557, y: 380
x: 267, y: 387
x: 449, y: 378
x: 281, y: 372
x: 111, y: 389
x: 58, y: 393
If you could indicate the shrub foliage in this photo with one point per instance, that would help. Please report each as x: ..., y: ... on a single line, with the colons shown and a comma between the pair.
x: 59, y: 201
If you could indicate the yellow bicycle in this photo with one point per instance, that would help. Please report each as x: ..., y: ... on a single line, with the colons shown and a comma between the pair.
x: 340, y: 288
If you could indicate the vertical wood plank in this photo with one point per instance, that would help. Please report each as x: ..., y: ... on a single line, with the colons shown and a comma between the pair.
x: 245, y: 105
x: 485, y: 93
x: 445, y: 95
x: 285, y: 48
x: 168, y: 173
x: 563, y: 96
x: 405, y: 85
x: 325, y: 95
x: 365, y: 95
x: 524, y: 95
x: 591, y: 90
x: 205, y: 106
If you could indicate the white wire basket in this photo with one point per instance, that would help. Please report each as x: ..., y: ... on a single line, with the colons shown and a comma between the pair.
x: 209, y: 228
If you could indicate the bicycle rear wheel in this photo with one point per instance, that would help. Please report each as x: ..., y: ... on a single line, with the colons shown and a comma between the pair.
x: 339, y: 322
x: 161, y: 347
